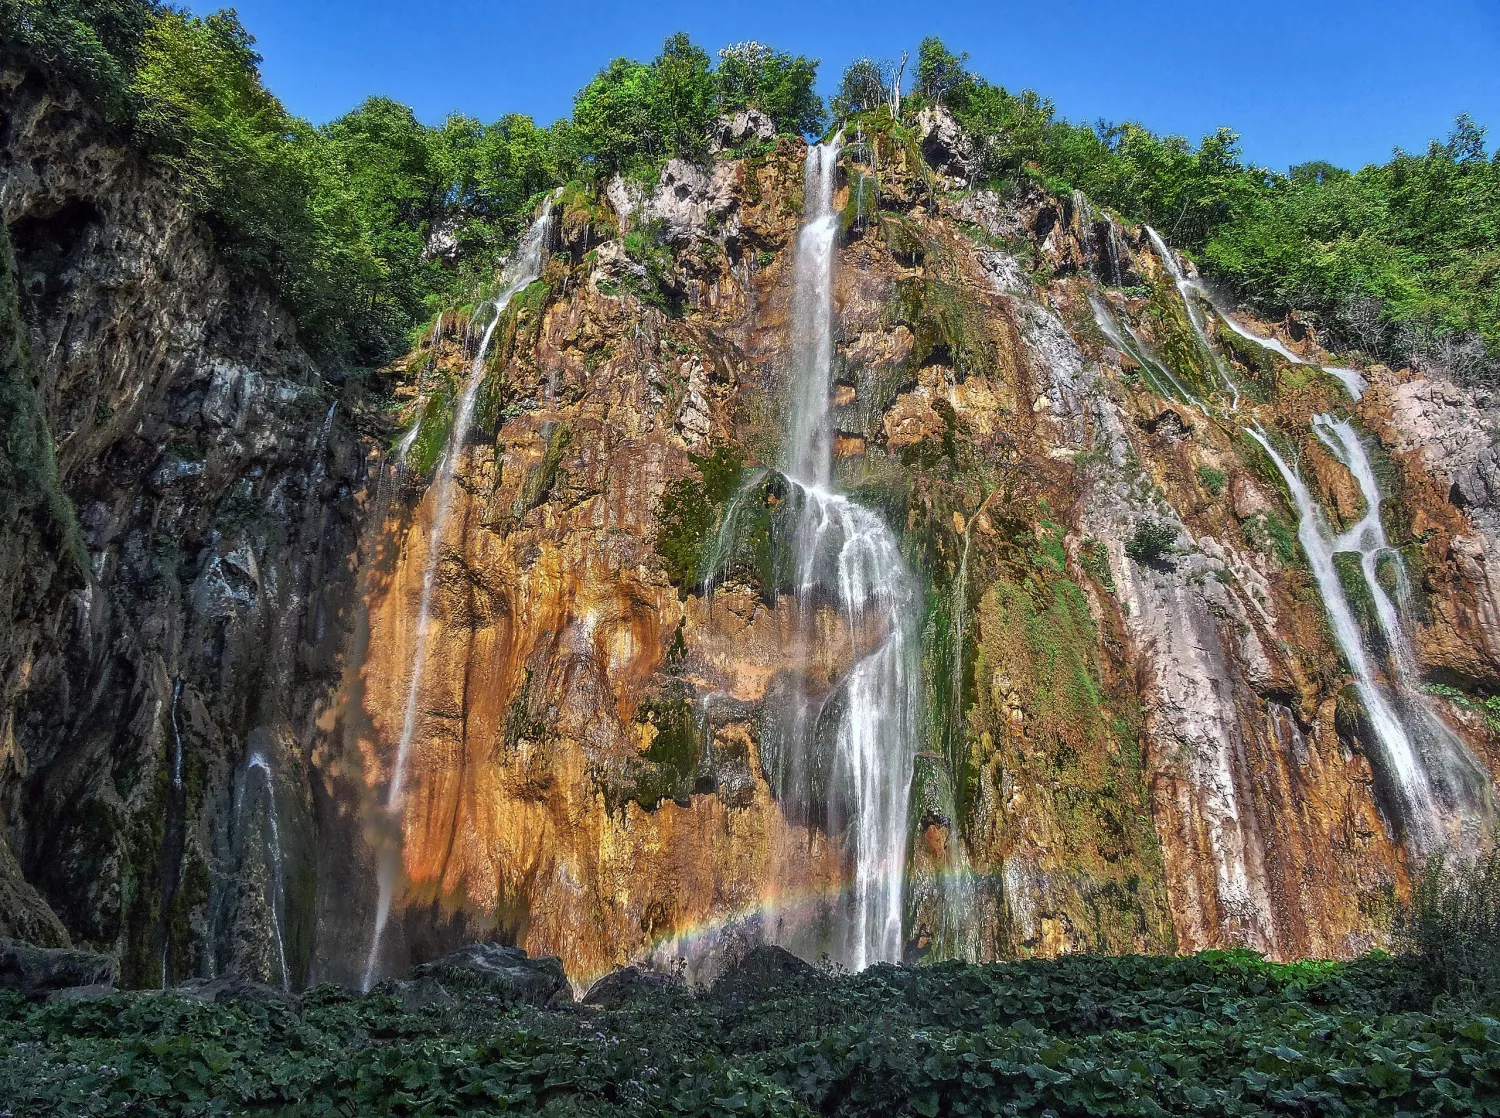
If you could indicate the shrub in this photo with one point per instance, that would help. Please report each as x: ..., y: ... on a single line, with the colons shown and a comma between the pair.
x: 1211, y: 479
x: 1151, y: 540
x: 1452, y: 925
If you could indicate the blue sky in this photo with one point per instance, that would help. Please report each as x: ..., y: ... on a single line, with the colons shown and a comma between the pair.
x: 1342, y: 81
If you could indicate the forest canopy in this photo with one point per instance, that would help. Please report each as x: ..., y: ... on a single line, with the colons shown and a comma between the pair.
x: 367, y: 225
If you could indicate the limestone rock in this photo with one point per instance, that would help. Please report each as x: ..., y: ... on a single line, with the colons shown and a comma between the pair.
x: 39, y: 971
x: 689, y: 199
x: 944, y: 144
x: 506, y: 971
x: 736, y: 128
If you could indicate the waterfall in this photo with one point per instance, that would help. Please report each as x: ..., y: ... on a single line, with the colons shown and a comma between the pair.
x: 1186, y: 289
x: 320, y: 452
x: 176, y: 738
x: 521, y: 270
x: 1437, y: 790
x: 275, y: 856
x: 843, y: 551
x: 1415, y: 747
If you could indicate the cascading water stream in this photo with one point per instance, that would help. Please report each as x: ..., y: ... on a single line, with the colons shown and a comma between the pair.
x: 1185, y: 288
x: 272, y: 837
x: 845, y: 551
x: 1410, y: 785
x: 523, y: 269
x: 1439, y: 791
x: 176, y: 737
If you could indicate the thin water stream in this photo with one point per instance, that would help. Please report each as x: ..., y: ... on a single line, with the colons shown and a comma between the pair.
x: 522, y: 269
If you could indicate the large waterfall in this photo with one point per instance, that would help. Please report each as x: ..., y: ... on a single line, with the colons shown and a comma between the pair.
x: 522, y: 269
x: 862, y: 736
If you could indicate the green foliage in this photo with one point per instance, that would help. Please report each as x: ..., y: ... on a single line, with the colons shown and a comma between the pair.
x: 646, y: 244
x: 754, y: 76
x: 941, y: 76
x: 1269, y: 534
x: 367, y: 225
x: 1211, y: 479
x: 691, y: 509
x: 634, y: 115
x: 1223, y: 1033
x: 1487, y: 708
x: 1452, y: 925
x: 864, y: 88
x: 1151, y: 540
x: 95, y: 44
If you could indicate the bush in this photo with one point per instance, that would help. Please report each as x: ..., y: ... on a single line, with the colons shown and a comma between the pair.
x: 1452, y: 925
x: 1151, y: 540
x: 1211, y: 479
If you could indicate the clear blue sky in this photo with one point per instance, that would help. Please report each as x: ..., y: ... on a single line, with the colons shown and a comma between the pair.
x: 1344, y: 81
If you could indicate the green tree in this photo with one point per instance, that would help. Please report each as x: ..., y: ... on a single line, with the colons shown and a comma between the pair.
x: 684, y: 91
x: 752, y: 75
x: 863, y: 88
x: 941, y: 77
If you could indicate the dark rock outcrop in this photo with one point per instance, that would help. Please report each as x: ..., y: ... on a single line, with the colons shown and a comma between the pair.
x: 505, y: 971
x: 623, y: 985
x: 39, y: 971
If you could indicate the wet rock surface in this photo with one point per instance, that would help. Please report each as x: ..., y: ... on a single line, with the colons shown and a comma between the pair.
x: 39, y: 971
x: 1121, y: 755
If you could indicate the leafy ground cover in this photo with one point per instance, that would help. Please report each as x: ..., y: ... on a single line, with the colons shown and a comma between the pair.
x: 1217, y: 1033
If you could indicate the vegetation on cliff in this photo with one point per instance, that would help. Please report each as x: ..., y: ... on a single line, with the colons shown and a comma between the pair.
x: 1397, y: 258
x: 368, y: 224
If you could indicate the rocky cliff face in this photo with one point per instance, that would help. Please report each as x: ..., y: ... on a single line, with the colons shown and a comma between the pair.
x: 214, y: 485
x: 1122, y: 749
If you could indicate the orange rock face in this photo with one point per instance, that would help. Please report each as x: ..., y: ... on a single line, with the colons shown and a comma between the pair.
x: 1119, y: 755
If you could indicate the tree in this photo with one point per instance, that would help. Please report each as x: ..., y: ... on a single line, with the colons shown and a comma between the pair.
x: 941, y: 77
x: 684, y: 95
x: 752, y: 75
x: 863, y: 88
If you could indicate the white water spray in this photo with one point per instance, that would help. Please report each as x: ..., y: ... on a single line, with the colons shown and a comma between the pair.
x: 523, y: 269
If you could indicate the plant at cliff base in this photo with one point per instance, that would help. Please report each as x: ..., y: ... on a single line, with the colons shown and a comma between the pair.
x: 1151, y: 540
x: 1221, y: 1033
x: 1452, y: 924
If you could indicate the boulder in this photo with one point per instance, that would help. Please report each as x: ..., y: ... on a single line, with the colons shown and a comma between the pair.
x: 39, y: 971
x: 736, y: 128
x: 622, y: 985
x: 233, y: 988
x: 944, y: 145
x: 505, y: 971
x: 763, y: 971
